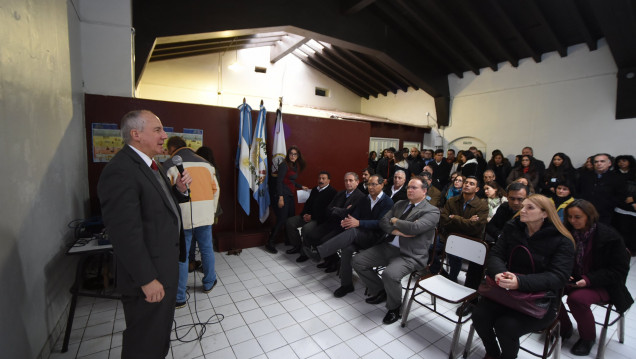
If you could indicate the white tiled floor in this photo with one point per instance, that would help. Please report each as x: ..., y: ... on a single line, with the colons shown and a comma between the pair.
x: 273, y: 307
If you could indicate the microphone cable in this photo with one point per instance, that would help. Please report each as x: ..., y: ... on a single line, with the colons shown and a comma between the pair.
x: 218, y: 318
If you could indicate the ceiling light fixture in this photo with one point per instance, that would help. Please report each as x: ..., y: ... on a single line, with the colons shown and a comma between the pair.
x: 236, y: 65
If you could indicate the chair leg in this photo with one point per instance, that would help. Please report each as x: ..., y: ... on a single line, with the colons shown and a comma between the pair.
x: 621, y: 329
x: 456, y: 334
x: 405, y: 311
x: 469, y: 341
x: 600, y: 354
x: 557, y: 348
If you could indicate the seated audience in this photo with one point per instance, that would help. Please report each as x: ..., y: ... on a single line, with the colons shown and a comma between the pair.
x: 495, y: 196
x: 366, y: 173
x: 526, y: 169
x: 516, y: 194
x: 604, y: 188
x: 361, y: 230
x: 600, y: 271
x: 410, y: 227
x: 560, y: 168
x: 500, y: 166
x: 563, y: 196
x: 397, y: 191
x: 314, y: 213
x: 454, y: 188
x: 552, y: 247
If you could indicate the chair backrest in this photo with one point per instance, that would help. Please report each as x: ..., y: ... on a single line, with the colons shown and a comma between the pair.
x: 470, y: 249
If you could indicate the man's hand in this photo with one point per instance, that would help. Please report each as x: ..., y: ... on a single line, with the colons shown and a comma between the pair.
x: 183, y: 181
x: 393, y: 220
x: 307, y: 218
x: 281, y: 202
x: 349, y: 222
x: 474, y: 218
x: 395, y: 232
x: 154, y: 291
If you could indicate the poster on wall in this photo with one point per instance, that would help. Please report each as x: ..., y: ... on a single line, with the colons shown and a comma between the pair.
x: 106, y: 141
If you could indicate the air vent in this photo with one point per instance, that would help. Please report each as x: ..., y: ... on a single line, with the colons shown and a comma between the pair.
x: 260, y: 69
x: 322, y: 92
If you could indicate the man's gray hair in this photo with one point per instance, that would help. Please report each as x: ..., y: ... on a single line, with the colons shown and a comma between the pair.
x: 355, y: 175
x: 400, y: 171
x: 132, y: 121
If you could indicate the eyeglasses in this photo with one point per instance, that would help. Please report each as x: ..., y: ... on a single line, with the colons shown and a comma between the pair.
x: 372, y: 184
x: 293, y: 154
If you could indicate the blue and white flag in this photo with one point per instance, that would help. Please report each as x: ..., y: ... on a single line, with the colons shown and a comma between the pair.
x: 258, y: 166
x: 279, y: 151
x: 243, y: 157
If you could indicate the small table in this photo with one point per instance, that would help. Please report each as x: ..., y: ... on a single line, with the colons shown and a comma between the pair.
x: 85, y: 248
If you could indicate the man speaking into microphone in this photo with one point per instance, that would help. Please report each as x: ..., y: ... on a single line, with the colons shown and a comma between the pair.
x: 143, y: 221
x: 198, y: 215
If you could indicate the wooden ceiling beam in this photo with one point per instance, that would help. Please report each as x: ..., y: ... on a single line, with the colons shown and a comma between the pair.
x: 435, y: 33
x: 355, y: 58
x: 168, y: 55
x: 575, y: 12
x: 370, y: 80
x: 313, y: 62
x: 286, y: 46
x: 447, y: 18
x: 349, y: 7
x: 548, y: 30
x: 416, y: 36
x: 513, y: 29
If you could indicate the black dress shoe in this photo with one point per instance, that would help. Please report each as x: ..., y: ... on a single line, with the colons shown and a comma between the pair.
x: 179, y: 305
x: 377, y: 299
x: 333, y: 267
x: 324, y: 264
x: 343, y: 290
x: 582, y: 347
x: 270, y: 248
x: 293, y: 250
x: 312, y: 253
x: 302, y: 258
x: 392, y: 316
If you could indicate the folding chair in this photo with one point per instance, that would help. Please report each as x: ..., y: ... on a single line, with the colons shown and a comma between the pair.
x: 551, y: 339
x: 439, y: 287
x: 608, y: 322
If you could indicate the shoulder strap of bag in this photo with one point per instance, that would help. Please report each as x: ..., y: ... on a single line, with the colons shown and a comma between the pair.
x: 527, y: 251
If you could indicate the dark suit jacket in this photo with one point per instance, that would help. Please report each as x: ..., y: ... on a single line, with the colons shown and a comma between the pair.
x: 316, y: 205
x: 337, y: 210
x: 370, y: 231
x: 399, y: 195
x: 140, y: 223
x: 441, y: 173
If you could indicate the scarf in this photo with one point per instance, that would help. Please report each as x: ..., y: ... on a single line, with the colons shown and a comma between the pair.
x: 582, y: 238
x: 452, y: 192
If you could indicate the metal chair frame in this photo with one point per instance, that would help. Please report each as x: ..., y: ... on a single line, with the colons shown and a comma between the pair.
x: 472, y: 249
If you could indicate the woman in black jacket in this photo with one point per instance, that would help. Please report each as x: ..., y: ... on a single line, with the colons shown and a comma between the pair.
x: 600, y: 271
x: 501, y: 166
x: 560, y: 168
x: 539, y: 230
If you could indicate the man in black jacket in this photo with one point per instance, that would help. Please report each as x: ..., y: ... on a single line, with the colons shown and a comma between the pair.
x: 517, y: 193
x: 441, y: 169
x: 604, y: 188
x: 313, y: 214
x: 361, y: 230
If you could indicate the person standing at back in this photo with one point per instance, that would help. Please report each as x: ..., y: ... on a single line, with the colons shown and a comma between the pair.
x: 198, y: 215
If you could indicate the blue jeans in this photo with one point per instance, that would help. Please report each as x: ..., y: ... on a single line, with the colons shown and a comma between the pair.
x: 203, y: 236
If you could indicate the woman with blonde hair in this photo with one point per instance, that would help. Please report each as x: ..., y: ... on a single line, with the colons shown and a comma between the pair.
x: 538, y: 229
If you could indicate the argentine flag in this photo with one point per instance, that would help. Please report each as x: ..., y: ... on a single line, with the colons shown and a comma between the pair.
x: 258, y: 166
x: 243, y: 157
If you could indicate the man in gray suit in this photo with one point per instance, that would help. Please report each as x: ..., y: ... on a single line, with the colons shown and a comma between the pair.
x: 410, y: 227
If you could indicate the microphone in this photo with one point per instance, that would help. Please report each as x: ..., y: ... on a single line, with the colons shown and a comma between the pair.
x: 178, y: 162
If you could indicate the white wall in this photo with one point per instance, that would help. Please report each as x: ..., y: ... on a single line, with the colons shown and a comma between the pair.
x: 44, y: 184
x: 196, y: 80
x: 558, y: 105
x: 107, y: 53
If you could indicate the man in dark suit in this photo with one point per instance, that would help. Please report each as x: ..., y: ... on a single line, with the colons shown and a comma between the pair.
x: 397, y: 191
x: 143, y: 221
x: 441, y: 169
x: 314, y: 213
x: 361, y: 231
x: 340, y: 206
x: 410, y: 226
